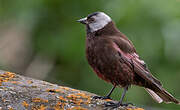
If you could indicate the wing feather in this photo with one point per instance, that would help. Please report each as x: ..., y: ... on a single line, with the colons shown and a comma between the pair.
x: 154, y: 87
x: 139, y: 65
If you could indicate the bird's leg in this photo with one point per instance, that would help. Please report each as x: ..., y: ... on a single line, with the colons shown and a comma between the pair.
x: 107, y: 96
x: 115, y: 105
x: 123, y: 95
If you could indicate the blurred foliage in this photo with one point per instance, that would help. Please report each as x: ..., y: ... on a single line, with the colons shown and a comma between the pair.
x: 152, y: 25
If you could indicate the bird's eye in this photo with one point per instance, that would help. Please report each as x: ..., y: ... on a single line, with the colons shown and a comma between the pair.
x: 91, y: 20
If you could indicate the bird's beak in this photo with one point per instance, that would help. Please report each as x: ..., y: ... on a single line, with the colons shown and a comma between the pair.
x: 83, y: 21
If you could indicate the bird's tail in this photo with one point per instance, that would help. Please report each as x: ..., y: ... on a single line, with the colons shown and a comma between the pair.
x: 161, y: 95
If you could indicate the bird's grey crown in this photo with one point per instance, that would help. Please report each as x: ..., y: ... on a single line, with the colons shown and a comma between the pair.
x: 100, y: 20
x: 93, y: 14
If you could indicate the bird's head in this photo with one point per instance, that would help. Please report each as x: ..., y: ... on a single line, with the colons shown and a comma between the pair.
x: 95, y: 21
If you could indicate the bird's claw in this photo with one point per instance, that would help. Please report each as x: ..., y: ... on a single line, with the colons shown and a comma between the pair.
x: 102, y: 97
x: 112, y: 104
x: 116, y: 105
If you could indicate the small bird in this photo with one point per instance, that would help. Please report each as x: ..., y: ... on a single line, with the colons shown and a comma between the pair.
x: 114, y: 59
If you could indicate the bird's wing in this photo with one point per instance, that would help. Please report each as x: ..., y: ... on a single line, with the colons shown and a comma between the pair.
x: 154, y: 87
x: 142, y: 70
x: 138, y: 65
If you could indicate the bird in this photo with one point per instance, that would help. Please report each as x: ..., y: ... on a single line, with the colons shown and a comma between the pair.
x: 114, y: 59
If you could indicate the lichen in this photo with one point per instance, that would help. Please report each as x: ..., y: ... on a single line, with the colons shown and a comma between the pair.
x: 6, y: 77
x: 63, y: 99
x: 29, y: 81
x: 54, y: 90
x: 83, y: 95
x: 25, y: 104
x: 73, y: 96
x: 65, y: 88
x: 10, y: 108
x: 42, y: 107
x: 39, y: 100
x: 57, y: 106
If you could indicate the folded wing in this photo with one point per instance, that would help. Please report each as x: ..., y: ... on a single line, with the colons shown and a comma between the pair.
x: 154, y: 87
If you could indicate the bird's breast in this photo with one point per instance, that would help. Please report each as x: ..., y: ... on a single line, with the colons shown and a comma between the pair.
x: 105, y: 61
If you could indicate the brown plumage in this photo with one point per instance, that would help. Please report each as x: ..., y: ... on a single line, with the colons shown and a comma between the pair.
x: 114, y: 59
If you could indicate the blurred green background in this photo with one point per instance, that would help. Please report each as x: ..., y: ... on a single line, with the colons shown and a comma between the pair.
x: 41, y: 39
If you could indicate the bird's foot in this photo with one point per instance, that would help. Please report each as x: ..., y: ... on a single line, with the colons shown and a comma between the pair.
x: 116, y: 105
x: 102, y: 97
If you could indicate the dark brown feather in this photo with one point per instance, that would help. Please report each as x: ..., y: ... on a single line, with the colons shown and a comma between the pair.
x: 114, y: 59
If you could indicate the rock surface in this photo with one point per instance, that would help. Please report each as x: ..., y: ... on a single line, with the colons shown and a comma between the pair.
x: 23, y: 93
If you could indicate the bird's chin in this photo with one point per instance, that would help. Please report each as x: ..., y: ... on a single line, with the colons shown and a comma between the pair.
x: 88, y: 29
